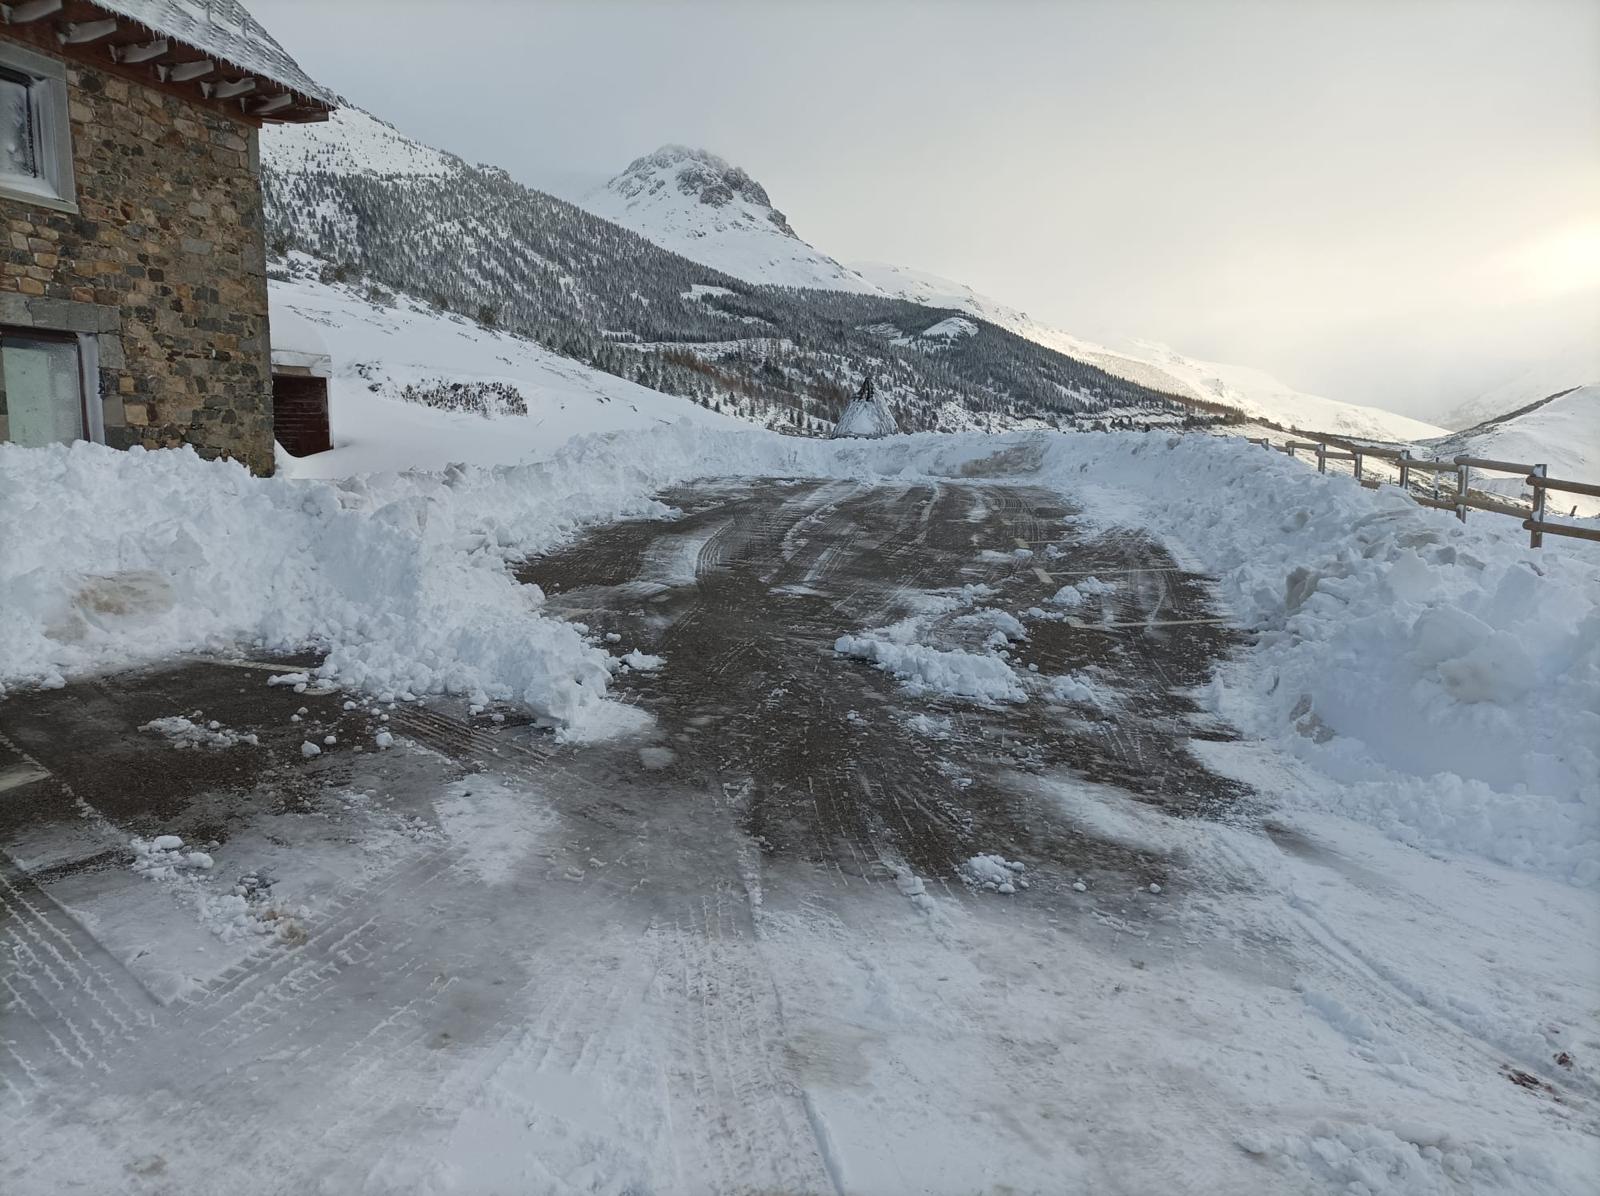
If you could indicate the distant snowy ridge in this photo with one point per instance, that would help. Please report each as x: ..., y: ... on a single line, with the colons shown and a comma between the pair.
x: 696, y: 204
x: 1580, y: 366
x: 1254, y: 392
x: 1562, y: 432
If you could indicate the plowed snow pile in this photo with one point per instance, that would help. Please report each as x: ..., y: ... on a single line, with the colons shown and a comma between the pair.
x: 1444, y: 677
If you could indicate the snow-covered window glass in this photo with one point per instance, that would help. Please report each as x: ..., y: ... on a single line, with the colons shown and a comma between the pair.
x: 17, y: 154
x: 35, y: 140
x: 41, y: 388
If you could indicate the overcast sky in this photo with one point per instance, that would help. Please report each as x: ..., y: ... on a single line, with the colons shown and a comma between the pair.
x: 1394, y: 202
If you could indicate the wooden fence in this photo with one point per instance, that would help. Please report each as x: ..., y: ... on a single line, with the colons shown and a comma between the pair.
x: 1462, y: 498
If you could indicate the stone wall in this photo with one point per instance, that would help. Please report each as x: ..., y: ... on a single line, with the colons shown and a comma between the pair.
x: 164, y: 262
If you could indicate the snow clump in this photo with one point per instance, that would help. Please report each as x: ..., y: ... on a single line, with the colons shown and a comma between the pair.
x: 994, y: 873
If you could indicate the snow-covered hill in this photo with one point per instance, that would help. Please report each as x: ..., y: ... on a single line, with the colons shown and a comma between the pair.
x: 1260, y: 395
x: 1562, y: 432
x: 696, y: 204
x: 1580, y: 366
x: 354, y: 142
x: 396, y: 366
x: 1254, y: 392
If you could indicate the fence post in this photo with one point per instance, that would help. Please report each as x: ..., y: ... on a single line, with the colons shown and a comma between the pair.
x: 1405, y: 470
x: 1536, y: 537
x: 1322, y: 457
x: 1357, y: 464
x: 1461, y: 492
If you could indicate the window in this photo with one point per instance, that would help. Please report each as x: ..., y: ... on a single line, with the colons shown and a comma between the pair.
x: 42, y: 396
x: 35, y: 139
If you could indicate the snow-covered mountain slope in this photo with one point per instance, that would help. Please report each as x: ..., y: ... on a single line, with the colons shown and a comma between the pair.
x: 1580, y: 366
x: 397, y: 368
x: 1254, y: 392
x: 696, y: 204
x: 375, y: 208
x: 1260, y: 395
x: 354, y: 142
x: 1562, y: 432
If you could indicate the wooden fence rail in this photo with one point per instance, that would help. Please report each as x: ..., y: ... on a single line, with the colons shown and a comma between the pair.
x: 1462, y: 499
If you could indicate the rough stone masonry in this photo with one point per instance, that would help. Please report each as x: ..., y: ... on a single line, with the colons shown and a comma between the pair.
x: 164, y: 261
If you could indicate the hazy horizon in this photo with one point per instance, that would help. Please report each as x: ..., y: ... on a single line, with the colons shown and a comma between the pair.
x: 1386, y: 204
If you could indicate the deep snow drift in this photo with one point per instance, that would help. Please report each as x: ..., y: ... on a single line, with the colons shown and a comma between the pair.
x: 1444, y: 677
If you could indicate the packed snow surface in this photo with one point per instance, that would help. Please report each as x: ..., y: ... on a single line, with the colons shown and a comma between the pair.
x: 1446, y: 676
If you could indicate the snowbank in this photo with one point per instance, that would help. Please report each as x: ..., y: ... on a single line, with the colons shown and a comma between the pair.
x: 1443, y: 674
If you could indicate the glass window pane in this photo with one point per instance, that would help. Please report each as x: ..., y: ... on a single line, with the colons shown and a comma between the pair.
x: 17, y: 155
x: 43, y: 398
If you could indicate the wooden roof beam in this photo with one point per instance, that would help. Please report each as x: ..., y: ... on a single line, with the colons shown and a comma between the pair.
x: 140, y: 52
x: 79, y: 33
x: 32, y: 10
x: 271, y: 104
x: 228, y: 88
x: 182, y: 72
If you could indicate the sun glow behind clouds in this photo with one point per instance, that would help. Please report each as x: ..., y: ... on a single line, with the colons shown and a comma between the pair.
x: 1557, y: 263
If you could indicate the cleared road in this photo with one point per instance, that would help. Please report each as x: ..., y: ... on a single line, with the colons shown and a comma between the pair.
x: 737, y: 953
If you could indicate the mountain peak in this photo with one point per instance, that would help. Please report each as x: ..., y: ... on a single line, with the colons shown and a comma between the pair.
x: 701, y: 176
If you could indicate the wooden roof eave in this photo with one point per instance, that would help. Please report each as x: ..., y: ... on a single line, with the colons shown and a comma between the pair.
x: 81, y: 31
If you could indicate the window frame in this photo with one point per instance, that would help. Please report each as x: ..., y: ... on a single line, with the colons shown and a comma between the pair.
x: 52, y: 186
x: 90, y: 417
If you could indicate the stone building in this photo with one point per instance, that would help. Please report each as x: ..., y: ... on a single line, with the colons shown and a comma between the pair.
x: 133, y: 289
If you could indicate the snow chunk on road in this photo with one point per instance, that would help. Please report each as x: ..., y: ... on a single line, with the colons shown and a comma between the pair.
x: 922, y: 669
x: 1081, y: 591
x: 1003, y: 623
x: 163, y: 857
x: 994, y: 872
x: 183, y: 732
x: 643, y: 662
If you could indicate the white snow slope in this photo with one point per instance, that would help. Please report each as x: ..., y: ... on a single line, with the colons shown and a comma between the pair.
x: 1563, y: 433
x: 697, y: 205
x: 354, y: 142
x: 1580, y: 366
x: 379, y: 350
x: 1255, y: 392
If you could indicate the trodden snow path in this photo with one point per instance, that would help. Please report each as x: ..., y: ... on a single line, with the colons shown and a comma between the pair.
x: 763, y: 944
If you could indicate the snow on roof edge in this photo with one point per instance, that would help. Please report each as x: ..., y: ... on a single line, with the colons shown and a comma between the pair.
x: 225, y: 30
